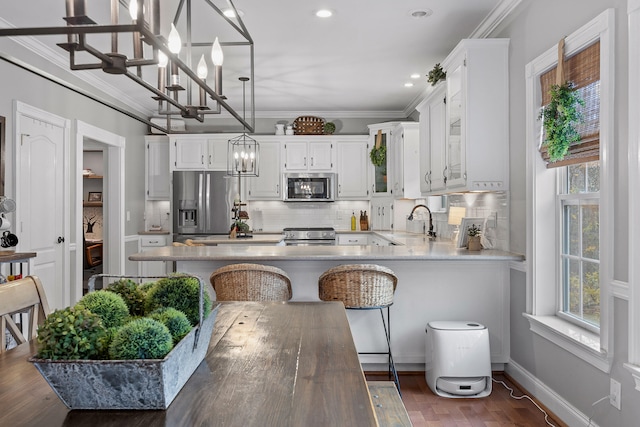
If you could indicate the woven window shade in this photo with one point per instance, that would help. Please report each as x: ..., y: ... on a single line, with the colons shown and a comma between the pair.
x: 583, y: 69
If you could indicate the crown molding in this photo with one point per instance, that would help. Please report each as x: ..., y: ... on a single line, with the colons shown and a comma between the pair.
x: 494, y: 18
x: 391, y: 114
x: 482, y: 31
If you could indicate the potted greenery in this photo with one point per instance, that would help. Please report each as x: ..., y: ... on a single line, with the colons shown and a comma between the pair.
x: 473, y: 234
x: 436, y: 74
x: 329, y: 128
x: 559, y: 119
x: 98, y: 353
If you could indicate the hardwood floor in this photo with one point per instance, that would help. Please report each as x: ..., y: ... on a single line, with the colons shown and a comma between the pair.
x: 497, y: 410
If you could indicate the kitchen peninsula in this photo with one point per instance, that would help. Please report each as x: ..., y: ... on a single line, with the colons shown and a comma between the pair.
x: 436, y: 281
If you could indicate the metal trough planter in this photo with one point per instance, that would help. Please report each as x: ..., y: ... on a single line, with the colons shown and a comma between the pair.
x: 130, y: 384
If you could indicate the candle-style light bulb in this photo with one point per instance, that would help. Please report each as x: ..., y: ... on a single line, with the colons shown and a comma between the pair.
x: 216, y: 53
x: 174, y: 41
x: 163, y: 60
x: 133, y: 9
x: 202, y: 70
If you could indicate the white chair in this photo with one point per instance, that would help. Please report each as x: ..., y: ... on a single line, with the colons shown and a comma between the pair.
x: 19, y: 297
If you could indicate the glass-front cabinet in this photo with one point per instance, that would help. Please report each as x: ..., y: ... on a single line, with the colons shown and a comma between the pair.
x: 380, y: 136
x: 455, y: 168
x: 468, y: 150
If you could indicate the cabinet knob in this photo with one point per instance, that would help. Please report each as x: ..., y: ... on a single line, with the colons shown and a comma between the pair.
x: 60, y: 239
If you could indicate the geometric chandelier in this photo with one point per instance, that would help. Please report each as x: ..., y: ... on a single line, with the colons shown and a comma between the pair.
x: 130, y: 44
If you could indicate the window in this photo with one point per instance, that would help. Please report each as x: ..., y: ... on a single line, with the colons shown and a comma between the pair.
x: 570, y: 203
x: 579, y: 250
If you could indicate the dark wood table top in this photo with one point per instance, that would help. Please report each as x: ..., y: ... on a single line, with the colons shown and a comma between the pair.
x: 269, y: 364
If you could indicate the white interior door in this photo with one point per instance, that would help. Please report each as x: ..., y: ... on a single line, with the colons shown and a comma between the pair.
x: 40, y: 197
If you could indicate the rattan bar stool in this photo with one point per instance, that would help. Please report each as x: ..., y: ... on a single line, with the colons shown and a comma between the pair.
x: 251, y: 282
x: 363, y: 287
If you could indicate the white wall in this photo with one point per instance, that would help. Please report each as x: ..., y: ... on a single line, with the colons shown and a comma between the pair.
x: 537, y: 26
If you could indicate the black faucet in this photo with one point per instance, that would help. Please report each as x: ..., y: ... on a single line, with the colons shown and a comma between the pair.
x: 431, y: 233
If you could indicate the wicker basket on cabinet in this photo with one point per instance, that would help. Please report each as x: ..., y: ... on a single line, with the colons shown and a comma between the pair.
x: 308, y: 125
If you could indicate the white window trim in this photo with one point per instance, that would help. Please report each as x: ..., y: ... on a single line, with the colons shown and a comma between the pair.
x: 633, y: 10
x: 543, y: 228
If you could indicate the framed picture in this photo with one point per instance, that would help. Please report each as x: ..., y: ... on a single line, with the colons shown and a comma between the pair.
x: 95, y: 196
x: 466, y: 223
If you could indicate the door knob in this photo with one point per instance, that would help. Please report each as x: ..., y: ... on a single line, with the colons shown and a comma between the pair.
x: 60, y: 239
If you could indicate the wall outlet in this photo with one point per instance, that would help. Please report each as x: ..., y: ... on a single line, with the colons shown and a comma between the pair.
x: 614, y: 394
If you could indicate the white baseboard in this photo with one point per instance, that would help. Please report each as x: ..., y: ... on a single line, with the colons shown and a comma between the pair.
x: 549, y: 398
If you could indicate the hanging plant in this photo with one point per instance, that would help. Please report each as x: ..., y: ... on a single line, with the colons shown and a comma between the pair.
x: 560, y: 118
x: 436, y: 75
x: 378, y: 155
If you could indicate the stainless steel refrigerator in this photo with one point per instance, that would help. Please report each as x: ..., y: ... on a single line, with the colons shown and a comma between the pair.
x: 200, y: 203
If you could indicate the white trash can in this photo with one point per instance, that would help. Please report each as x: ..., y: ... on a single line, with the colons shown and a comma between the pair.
x: 458, y: 359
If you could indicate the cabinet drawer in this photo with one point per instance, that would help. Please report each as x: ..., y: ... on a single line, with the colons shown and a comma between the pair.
x: 151, y: 241
x: 350, y: 239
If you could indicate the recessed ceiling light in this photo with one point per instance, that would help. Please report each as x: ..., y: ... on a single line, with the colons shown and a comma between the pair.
x: 415, y: 76
x: 324, y: 13
x: 229, y: 13
x: 408, y: 84
x: 421, y: 13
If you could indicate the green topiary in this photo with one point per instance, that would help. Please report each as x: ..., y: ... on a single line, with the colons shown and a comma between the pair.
x: 329, y: 128
x: 143, y: 338
x: 181, y: 292
x: 71, y: 333
x: 109, y: 306
x: 146, y: 287
x: 175, y: 320
x: 131, y: 293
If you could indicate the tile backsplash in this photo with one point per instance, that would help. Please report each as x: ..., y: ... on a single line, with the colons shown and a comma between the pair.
x: 273, y: 216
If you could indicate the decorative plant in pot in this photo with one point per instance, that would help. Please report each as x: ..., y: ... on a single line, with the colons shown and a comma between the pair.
x: 436, y: 74
x: 473, y: 234
x: 329, y: 128
x: 158, y: 331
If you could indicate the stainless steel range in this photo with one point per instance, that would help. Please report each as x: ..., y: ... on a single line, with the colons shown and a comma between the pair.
x: 309, y: 236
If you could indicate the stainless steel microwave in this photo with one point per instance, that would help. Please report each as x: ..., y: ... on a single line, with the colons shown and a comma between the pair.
x: 309, y: 187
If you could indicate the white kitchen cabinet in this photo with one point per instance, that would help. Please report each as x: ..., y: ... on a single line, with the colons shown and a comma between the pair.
x: 303, y: 156
x: 477, y: 117
x: 266, y: 186
x: 152, y: 268
x: 405, y: 158
x: 381, y: 176
x: 352, y: 172
x: 432, y: 140
x: 353, y: 239
x: 381, y: 217
x: 200, y: 152
x: 157, y: 176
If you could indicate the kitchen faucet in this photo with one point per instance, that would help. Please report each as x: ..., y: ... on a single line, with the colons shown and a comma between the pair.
x: 431, y: 233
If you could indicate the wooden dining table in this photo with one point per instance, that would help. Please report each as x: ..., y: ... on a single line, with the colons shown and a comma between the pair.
x: 268, y: 364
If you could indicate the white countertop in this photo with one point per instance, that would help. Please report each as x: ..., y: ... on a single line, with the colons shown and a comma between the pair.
x: 415, y: 247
